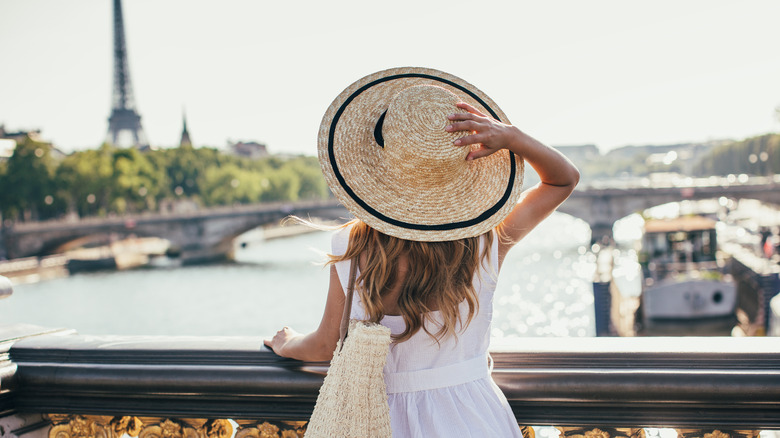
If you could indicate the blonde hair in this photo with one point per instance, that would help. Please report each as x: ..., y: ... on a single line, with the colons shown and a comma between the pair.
x: 437, y: 276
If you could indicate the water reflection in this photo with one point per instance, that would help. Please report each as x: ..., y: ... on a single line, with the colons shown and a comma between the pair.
x: 544, y: 290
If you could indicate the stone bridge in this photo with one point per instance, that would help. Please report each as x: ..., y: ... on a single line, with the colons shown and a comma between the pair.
x: 600, y: 205
x: 208, y: 234
x: 200, y: 235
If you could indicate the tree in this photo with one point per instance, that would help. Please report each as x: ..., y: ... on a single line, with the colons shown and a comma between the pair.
x: 282, y: 185
x: 136, y: 182
x: 753, y: 156
x: 5, y: 191
x: 28, y: 182
x: 85, y: 181
x: 185, y: 166
x: 312, y: 184
x: 229, y: 184
x: 111, y: 180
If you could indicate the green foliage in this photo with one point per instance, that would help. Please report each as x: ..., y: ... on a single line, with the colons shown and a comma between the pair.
x: 119, y: 181
x: 5, y: 191
x: 184, y: 166
x: 136, y: 182
x: 84, y: 180
x: 108, y: 180
x: 27, y: 182
x: 312, y: 184
x: 282, y: 185
x: 230, y: 184
x: 753, y: 156
x: 628, y: 161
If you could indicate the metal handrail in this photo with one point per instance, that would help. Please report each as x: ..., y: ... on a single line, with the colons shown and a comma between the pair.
x: 638, y: 382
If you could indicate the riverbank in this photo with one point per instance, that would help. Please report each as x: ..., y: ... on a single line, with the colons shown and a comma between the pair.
x: 33, y: 269
x: 133, y: 253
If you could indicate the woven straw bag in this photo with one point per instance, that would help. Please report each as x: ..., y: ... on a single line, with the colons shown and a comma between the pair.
x: 353, y: 398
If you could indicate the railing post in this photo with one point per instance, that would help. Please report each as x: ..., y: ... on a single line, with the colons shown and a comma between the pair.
x: 602, y: 303
x: 770, y: 285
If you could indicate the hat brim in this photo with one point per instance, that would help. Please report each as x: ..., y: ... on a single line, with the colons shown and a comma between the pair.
x: 357, y: 181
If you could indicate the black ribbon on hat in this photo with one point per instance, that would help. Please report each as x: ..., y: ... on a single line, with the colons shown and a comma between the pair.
x: 378, y: 130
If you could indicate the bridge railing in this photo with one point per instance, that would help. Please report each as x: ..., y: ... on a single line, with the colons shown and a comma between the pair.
x: 63, y: 385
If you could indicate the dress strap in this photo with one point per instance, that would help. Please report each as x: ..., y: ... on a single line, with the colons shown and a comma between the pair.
x: 440, y: 377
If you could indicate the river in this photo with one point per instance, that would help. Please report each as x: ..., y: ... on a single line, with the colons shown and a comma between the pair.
x: 544, y: 289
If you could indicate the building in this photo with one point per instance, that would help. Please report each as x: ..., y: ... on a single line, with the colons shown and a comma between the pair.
x: 19, y: 136
x: 249, y: 149
x: 9, y: 140
x: 185, y: 135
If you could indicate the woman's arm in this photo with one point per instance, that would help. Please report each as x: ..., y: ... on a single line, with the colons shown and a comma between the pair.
x: 319, y: 344
x: 558, y: 175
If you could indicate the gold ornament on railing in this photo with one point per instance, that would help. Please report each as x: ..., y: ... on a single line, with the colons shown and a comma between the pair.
x: 280, y: 429
x: 169, y: 429
x: 604, y: 432
x: 219, y: 429
x: 717, y: 433
x: 78, y: 427
x: 268, y: 430
x: 125, y: 425
x: 97, y: 426
x: 528, y: 432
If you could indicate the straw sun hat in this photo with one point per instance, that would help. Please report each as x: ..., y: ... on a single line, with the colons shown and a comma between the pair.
x: 387, y: 158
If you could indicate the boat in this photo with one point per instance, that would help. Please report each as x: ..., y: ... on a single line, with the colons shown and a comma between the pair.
x: 128, y: 253
x: 686, y: 290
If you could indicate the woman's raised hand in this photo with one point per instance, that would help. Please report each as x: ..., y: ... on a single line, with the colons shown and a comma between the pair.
x: 490, y: 134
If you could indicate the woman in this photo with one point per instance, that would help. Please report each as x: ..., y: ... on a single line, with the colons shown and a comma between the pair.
x: 431, y: 169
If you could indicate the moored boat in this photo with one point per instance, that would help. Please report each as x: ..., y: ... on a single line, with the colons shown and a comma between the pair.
x: 685, y: 289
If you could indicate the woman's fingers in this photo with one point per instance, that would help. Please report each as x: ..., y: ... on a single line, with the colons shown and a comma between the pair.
x: 471, y: 114
x: 484, y: 131
x: 480, y: 152
x: 463, y: 117
x: 475, y: 138
x: 468, y: 125
x: 469, y: 108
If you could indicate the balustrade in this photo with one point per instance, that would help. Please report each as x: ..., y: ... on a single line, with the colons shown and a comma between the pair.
x: 63, y: 385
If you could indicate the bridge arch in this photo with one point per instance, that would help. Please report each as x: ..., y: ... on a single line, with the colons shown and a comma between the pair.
x: 600, y: 207
x: 200, y: 236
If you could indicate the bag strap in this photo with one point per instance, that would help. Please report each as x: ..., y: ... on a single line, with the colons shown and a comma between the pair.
x: 344, y: 327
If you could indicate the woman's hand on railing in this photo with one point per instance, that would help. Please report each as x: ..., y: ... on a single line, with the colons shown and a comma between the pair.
x: 281, y: 339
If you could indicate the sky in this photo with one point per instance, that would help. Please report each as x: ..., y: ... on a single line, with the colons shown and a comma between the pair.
x: 609, y: 73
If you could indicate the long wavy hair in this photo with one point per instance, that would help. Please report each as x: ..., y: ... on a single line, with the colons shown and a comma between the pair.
x: 434, y: 276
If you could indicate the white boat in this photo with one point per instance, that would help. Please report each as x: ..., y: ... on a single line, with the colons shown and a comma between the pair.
x: 685, y: 291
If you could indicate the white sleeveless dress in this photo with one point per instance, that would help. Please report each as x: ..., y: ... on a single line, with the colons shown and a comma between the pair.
x: 442, y: 390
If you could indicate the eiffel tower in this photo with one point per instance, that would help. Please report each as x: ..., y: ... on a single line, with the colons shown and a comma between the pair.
x: 124, y: 116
